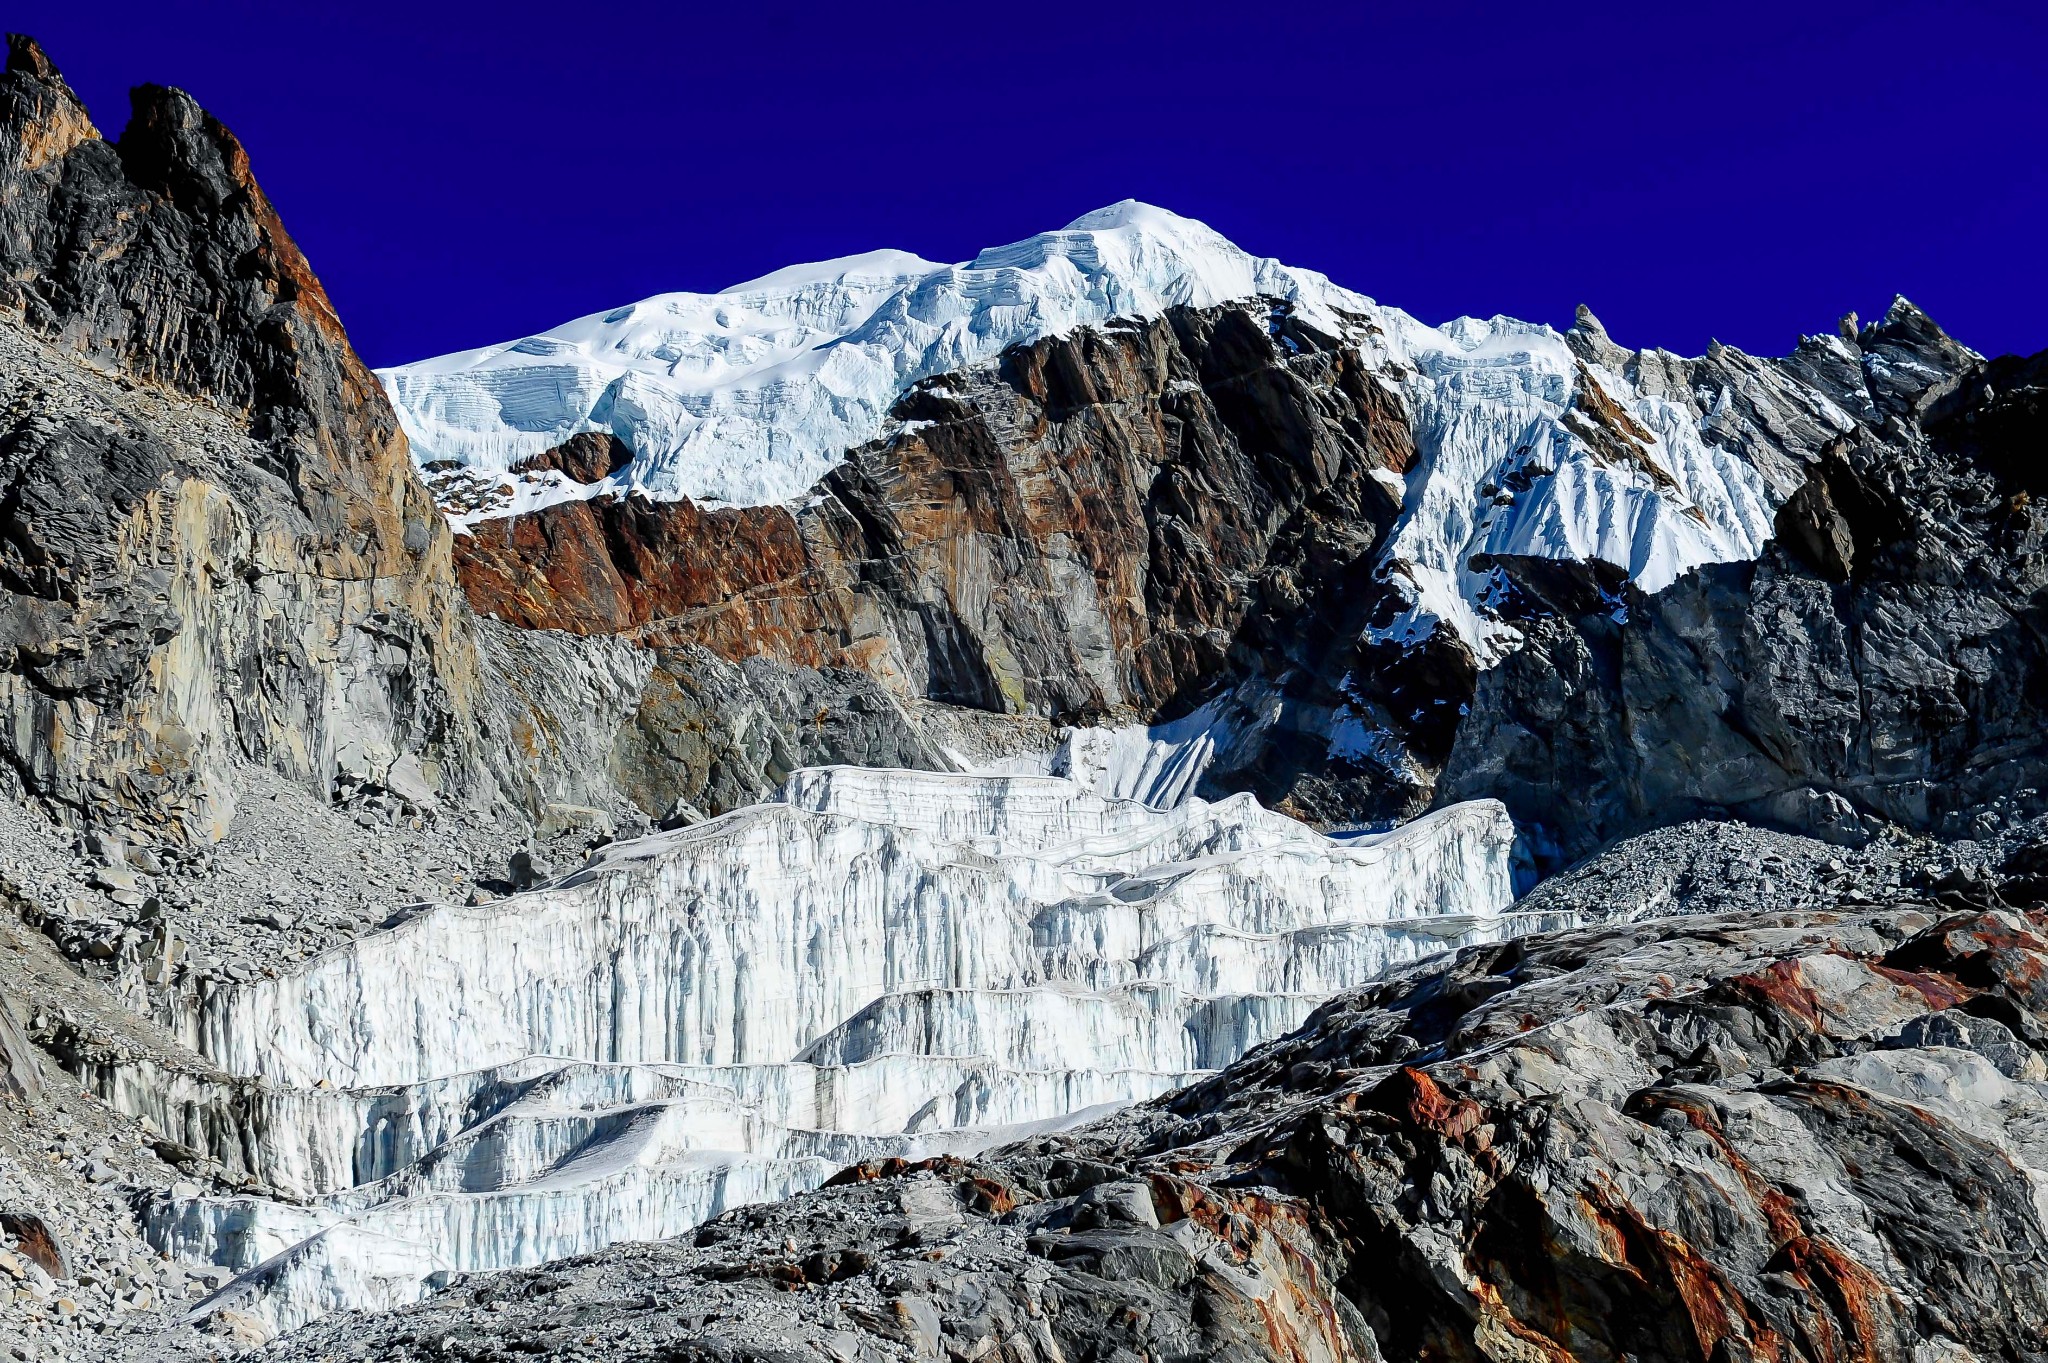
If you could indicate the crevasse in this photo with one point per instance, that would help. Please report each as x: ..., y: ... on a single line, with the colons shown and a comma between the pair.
x: 878, y: 963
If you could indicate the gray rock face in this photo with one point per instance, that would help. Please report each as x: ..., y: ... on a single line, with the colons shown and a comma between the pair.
x: 1810, y: 1134
x: 19, y: 1073
x: 711, y: 735
x: 212, y: 544
x: 592, y: 722
x: 1882, y: 662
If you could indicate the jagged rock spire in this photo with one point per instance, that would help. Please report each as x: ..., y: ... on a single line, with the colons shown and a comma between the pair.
x: 41, y: 120
x: 1589, y: 340
x: 161, y: 255
x: 25, y: 54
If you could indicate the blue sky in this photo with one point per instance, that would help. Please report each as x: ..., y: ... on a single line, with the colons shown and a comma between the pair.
x: 465, y: 174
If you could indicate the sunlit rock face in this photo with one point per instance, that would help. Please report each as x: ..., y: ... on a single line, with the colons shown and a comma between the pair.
x: 213, y: 546
x: 879, y: 963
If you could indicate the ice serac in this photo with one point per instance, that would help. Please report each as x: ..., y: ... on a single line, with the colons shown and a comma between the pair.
x: 880, y: 963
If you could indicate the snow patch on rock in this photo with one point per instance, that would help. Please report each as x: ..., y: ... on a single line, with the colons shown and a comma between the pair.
x: 1523, y: 449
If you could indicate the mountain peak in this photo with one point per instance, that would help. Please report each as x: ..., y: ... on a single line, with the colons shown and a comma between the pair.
x: 1130, y: 213
x: 749, y: 395
x: 26, y: 55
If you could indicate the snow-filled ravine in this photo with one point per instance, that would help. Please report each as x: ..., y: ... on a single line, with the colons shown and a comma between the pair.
x: 878, y: 963
x: 747, y: 396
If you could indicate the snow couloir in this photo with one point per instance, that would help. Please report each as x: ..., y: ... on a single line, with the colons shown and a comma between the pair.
x: 878, y: 963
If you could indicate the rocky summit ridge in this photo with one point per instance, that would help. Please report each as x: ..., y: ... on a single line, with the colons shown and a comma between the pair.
x: 1192, y: 816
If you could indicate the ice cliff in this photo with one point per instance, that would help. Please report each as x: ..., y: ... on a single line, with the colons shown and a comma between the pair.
x: 879, y: 963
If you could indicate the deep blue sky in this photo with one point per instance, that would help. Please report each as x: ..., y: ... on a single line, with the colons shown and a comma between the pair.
x: 462, y: 174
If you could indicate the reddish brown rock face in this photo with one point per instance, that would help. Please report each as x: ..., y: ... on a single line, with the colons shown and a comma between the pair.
x: 1099, y: 524
x: 587, y: 457
x: 616, y: 565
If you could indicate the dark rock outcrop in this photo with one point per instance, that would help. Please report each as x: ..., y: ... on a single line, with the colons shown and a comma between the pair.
x: 213, y: 546
x: 588, y: 457
x: 1883, y: 661
x: 585, y: 723
x: 36, y: 1242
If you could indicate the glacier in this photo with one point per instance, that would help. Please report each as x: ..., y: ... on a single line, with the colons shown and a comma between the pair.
x: 877, y: 963
x: 1158, y: 764
x: 747, y: 396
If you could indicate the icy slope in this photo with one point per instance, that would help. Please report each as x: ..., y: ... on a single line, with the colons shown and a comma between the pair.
x: 881, y: 963
x: 1524, y: 449
x: 749, y: 395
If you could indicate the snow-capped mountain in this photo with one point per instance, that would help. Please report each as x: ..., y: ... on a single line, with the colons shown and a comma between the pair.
x: 748, y: 396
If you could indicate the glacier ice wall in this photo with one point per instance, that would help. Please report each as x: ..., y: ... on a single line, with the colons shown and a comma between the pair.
x: 878, y: 963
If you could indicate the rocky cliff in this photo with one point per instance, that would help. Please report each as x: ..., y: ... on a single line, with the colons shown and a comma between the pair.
x: 1112, y: 525
x: 213, y: 546
x: 1881, y: 662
